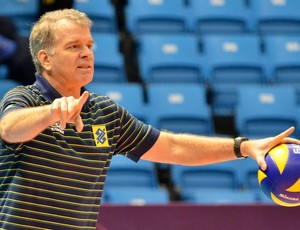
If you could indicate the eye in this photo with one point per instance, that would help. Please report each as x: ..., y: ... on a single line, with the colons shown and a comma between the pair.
x: 90, y: 46
x: 73, y: 46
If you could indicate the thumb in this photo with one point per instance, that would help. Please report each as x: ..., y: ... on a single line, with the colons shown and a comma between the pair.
x: 262, y: 163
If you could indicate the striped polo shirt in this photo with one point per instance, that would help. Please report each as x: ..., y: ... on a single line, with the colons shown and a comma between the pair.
x: 55, y: 181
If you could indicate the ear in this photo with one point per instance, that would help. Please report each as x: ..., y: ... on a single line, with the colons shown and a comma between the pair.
x: 44, y: 59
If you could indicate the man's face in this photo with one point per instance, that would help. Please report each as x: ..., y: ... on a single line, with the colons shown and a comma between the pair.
x: 72, y: 59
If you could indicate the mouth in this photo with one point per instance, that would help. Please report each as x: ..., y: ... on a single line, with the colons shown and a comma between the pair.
x: 85, y: 67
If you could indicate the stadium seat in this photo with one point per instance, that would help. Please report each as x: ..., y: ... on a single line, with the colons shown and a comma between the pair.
x: 170, y: 58
x: 23, y: 13
x: 102, y: 13
x: 6, y: 85
x: 218, y: 16
x: 136, y: 196
x: 109, y: 61
x: 221, y: 197
x: 180, y: 108
x: 283, y: 58
x: 217, y: 176
x: 129, y: 95
x: 247, y: 174
x: 231, y: 61
x: 155, y: 16
x: 275, y: 16
x: 266, y: 111
x: 123, y: 172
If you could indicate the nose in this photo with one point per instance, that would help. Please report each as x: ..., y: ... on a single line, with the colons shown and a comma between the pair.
x: 86, y: 52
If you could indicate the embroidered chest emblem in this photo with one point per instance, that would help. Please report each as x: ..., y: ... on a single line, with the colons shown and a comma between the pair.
x: 100, y: 135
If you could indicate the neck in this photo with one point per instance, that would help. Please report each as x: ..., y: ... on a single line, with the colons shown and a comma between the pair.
x: 64, y: 88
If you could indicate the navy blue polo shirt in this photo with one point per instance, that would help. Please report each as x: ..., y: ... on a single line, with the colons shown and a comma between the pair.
x: 55, y: 181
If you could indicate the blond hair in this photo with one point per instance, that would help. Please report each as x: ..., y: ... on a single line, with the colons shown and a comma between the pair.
x: 42, y: 35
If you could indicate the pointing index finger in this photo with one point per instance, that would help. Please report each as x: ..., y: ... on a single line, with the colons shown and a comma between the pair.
x: 82, y: 99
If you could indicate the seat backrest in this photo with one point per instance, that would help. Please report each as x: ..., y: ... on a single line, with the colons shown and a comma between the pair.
x: 168, y: 58
x: 275, y: 16
x: 180, y: 108
x: 136, y: 196
x: 233, y: 59
x: 129, y: 95
x: 123, y: 172
x: 283, y: 58
x: 23, y: 13
x: 218, y: 176
x: 101, y: 12
x: 156, y: 16
x: 218, y: 16
x: 266, y: 111
x: 221, y: 196
x: 109, y: 61
x: 247, y: 174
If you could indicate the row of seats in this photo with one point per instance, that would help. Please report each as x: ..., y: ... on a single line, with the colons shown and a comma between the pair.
x: 222, y: 59
x: 260, y: 111
x: 211, y: 16
x: 224, y: 62
x: 133, y: 183
x: 144, y: 16
x: 175, y: 107
x: 25, y: 12
x: 219, y: 58
x: 228, y: 182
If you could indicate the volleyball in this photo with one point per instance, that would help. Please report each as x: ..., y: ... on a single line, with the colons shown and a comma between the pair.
x: 281, y: 181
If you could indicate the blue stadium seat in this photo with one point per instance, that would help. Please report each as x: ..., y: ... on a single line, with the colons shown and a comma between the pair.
x: 170, y: 58
x: 6, y: 85
x: 218, y: 16
x: 102, y: 13
x: 180, y: 108
x: 247, y: 174
x: 23, y: 13
x: 283, y: 58
x: 221, y: 197
x: 123, y: 172
x: 155, y: 16
x: 231, y: 61
x: 275, y: 16
x: 129, y: 95
x: 136, y: 196
x: 109, y: 61
x: 266, y: 111
x: 213, y: 176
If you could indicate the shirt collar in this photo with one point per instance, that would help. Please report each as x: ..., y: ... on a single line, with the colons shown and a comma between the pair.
x: 49, y: 92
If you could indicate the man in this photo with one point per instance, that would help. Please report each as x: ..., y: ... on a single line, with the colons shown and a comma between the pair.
x: 57, y: 140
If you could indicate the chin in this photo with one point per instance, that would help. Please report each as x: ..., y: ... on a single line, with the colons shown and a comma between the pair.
x: 87, y: 79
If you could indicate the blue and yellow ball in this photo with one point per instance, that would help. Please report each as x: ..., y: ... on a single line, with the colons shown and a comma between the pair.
x: 281, y: 181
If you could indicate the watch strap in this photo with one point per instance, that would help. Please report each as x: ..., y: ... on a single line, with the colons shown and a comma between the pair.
x: 237, y: 146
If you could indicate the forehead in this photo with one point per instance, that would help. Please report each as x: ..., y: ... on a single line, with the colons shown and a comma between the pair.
x: 66, y: 30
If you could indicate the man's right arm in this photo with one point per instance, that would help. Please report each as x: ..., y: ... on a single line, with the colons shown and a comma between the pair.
x: 24, y: 124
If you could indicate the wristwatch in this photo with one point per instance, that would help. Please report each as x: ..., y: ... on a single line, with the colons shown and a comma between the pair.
x: 237, y: 147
